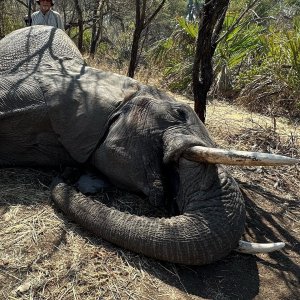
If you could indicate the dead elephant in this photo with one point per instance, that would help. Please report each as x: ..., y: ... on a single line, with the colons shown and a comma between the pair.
x: 55, y: 110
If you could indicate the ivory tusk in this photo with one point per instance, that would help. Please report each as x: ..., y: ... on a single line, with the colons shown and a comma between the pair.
x: 254, y: 248
x: 233, y: 157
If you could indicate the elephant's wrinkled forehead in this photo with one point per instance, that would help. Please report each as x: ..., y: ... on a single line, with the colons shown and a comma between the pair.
x: 161, y: 111
x: 161, y: 121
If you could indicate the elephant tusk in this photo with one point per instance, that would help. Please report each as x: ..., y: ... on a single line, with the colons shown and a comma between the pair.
x: 233, y: 157
x: 253, y: 248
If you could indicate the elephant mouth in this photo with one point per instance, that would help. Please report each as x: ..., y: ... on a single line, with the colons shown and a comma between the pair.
x: 188, y: 149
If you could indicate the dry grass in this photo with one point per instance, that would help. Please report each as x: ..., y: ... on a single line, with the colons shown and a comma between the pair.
x: 44, y: 256
x: 272, y: 96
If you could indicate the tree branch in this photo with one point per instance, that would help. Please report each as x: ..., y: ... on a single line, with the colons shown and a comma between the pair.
x: 23, y: 3
x: 137, y: 12
x: 154, y: 13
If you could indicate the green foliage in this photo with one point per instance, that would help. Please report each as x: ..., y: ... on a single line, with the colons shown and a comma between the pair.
x: 241, y: 43
x: 236, y: 51
x: 115, y: 53
x: 273, y: 79
x: 10, y: 23
x: 87, y: 35
x: 189, y: 28
x: 292, y: 54
x: 12, y: 16
x: 263, y: 49
x: 280, y: 55
x: 174, y: 55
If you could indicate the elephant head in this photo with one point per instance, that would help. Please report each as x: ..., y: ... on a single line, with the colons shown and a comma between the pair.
x: 155, y: 145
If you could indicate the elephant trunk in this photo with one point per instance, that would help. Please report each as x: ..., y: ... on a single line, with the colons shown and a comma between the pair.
x: 208, y: 228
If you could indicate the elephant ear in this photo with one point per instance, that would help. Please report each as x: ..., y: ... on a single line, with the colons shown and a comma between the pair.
x: 80, y: 106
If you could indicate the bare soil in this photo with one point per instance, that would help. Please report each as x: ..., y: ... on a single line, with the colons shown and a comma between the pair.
x: 45, y: 256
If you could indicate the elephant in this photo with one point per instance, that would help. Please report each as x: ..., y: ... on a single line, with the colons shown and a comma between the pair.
x: 56, y: 111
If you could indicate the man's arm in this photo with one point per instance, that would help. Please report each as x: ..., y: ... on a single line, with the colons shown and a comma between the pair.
x: 59, y: 21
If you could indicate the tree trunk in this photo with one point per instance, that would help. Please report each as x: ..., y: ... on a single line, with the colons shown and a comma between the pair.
x: 97, y: 26
x: 134, y: 51
x: 210, y: 25
x: 140, y: 9
x: 80, y: 25
x: 29, y: 12
x: 141, y: 23
x: 1, y: 19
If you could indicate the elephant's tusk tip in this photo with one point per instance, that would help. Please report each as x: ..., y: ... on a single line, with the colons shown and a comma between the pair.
x: 254, y: 248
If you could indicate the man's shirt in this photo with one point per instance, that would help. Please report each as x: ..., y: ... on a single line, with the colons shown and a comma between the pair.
x: 51, y: 18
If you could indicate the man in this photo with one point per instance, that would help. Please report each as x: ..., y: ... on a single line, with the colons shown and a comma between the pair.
x: 47, y: 16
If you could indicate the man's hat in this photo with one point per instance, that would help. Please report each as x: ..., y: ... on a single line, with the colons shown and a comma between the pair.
x: 52, y: 2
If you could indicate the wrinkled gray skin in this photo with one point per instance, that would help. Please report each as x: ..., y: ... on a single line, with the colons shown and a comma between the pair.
x: 56, y: 111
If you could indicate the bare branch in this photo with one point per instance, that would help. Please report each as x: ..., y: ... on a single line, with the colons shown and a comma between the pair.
x: 23, y: 3
x: 154, y: 13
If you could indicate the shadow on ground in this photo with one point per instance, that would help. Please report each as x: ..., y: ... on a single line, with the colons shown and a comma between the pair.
x: 240, y: 276
x: 268, y: 222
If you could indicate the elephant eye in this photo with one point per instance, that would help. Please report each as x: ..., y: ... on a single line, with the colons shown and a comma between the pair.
x: 181, y: 114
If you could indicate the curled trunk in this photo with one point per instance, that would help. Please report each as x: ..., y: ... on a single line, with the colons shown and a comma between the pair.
x: 206, y: 230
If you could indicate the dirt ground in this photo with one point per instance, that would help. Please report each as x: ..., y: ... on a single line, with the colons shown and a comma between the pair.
x: 45, y: 256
